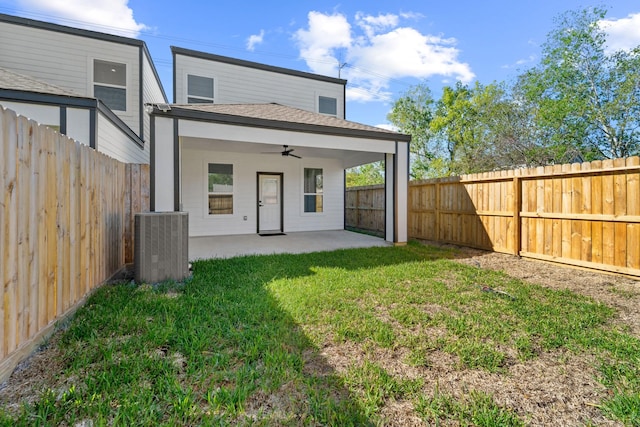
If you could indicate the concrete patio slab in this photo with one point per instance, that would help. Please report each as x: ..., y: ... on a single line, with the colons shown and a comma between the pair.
x: 292, y: 243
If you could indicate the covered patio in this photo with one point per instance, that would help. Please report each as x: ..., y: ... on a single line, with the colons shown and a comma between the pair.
x: 293, y: 243
x: 250, y: 169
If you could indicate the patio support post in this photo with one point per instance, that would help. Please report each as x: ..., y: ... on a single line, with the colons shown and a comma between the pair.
x: 401, y: 180
x: 163, y: 165
x: 390, y: 197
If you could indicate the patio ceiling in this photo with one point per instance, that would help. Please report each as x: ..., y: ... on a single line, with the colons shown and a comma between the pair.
x: 350, y: 158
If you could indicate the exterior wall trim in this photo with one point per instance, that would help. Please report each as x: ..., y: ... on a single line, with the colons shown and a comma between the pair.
x: 69, y: 30
x: 249, y: 64
x: 63, y: 119
x: 176, y: 167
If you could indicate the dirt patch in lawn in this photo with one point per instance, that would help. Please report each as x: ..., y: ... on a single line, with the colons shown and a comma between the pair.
x: 619, y: 292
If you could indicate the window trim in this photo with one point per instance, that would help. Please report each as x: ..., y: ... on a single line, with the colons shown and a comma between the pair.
x: 304, y: 193
x: 206, y: 99
x: 207, y: 212
x: 127, y: 88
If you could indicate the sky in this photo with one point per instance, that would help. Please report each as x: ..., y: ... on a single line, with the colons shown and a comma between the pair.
x: 381, y: 48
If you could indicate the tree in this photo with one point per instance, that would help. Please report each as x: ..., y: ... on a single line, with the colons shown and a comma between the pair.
x: 412, y: 114
x: 369, y: 174
x: 584, y: 96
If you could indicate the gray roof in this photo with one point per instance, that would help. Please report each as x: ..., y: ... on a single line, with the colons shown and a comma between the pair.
x: 14, y: 81
x: 281, y: 116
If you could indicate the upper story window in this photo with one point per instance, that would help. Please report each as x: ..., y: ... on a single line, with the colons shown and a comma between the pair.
x: 199, y: 89
x: 328, y: 105
x: 110, y: 84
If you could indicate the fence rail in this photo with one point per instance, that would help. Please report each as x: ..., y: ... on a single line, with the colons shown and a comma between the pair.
x: 66, y: 215
x: 585, y: 215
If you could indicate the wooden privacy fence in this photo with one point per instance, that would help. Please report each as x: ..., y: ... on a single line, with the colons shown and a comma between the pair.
x: 586, y: 215
x: 364, y: 208
x: 66, y: 217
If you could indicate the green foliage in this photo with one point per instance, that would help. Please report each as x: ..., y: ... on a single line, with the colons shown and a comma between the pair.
x: 478, y: 409
x: 586, y: 96
x: 581, y: 102
x: 369, y: 174
x: 412, y: 114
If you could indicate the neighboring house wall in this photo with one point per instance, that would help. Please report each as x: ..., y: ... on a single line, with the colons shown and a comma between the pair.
x: 48, y: 115
x: 112, y: 140
x: 243, y: 82
x: 77, y: 122
x: 65, y: 57
x: 79, y: 126
x: 152, y: 91
x: 195, y: 158
x: 114, y: 143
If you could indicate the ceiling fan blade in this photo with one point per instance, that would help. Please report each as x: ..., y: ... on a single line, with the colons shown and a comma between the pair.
x: 293, y: 155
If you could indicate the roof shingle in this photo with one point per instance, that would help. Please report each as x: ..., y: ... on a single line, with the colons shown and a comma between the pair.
x: 14, y: 81
x: 281, y: 113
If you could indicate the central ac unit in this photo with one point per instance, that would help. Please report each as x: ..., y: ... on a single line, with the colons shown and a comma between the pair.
x: 161, y: 246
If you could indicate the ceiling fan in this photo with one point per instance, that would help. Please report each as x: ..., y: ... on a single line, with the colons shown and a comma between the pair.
x: 286, y: 152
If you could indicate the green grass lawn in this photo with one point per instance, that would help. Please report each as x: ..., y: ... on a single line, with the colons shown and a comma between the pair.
x: 241, y: 343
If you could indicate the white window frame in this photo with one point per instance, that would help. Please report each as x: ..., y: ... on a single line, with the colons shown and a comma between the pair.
x: 127, y: 87
x: 304, y: 193
x: 207, y: 212
x: 186, y: 88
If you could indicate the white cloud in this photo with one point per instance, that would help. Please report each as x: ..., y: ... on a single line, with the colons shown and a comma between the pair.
x: 520, y: 62
x: 254, y: 40
x: 377, y: 50
x: 388, y: 126
x: 318, y: 44
x: 623, y: 33
x: 374, y: 24
x: 108, y: 16
x: 365, y: 93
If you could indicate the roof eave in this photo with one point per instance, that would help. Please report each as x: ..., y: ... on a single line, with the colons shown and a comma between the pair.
x: 235, y: 120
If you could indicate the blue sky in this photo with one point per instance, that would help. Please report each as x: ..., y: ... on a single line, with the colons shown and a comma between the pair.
x: 384, y: 47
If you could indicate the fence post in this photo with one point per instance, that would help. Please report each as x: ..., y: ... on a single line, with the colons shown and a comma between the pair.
x: 517, y: 206
x: 436, y: 210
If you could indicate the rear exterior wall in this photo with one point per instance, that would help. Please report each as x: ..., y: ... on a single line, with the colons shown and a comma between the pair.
x: 245, y: 169
x: 237, y: 84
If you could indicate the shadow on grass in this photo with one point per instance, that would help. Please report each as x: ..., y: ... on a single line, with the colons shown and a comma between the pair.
x: 275, y: 363
x: 217, y: 350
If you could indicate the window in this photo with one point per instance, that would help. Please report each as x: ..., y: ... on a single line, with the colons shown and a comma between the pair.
x: 312, y: 190
x: 327, y: 105
x: 199, y: 90
x: 220, y: 189
x: 110, y: 84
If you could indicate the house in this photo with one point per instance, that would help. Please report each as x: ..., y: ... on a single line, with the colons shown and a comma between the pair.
x: 245, y: 148
x: 251, y: 148
x: 88, y: 85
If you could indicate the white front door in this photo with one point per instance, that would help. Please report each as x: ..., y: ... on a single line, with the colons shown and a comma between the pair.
x: 269, y: 203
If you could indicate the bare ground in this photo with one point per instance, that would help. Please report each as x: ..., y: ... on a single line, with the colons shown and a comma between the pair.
x: 556, y: 388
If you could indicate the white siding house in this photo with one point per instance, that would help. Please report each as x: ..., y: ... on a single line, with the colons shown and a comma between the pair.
x: 108, y: 77
x: 253, y: 148
x: 245, y: 148
x: 228, y: 167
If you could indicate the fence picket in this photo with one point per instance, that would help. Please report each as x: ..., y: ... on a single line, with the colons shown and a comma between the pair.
x: 63, y: 212
x: 584, y: 214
